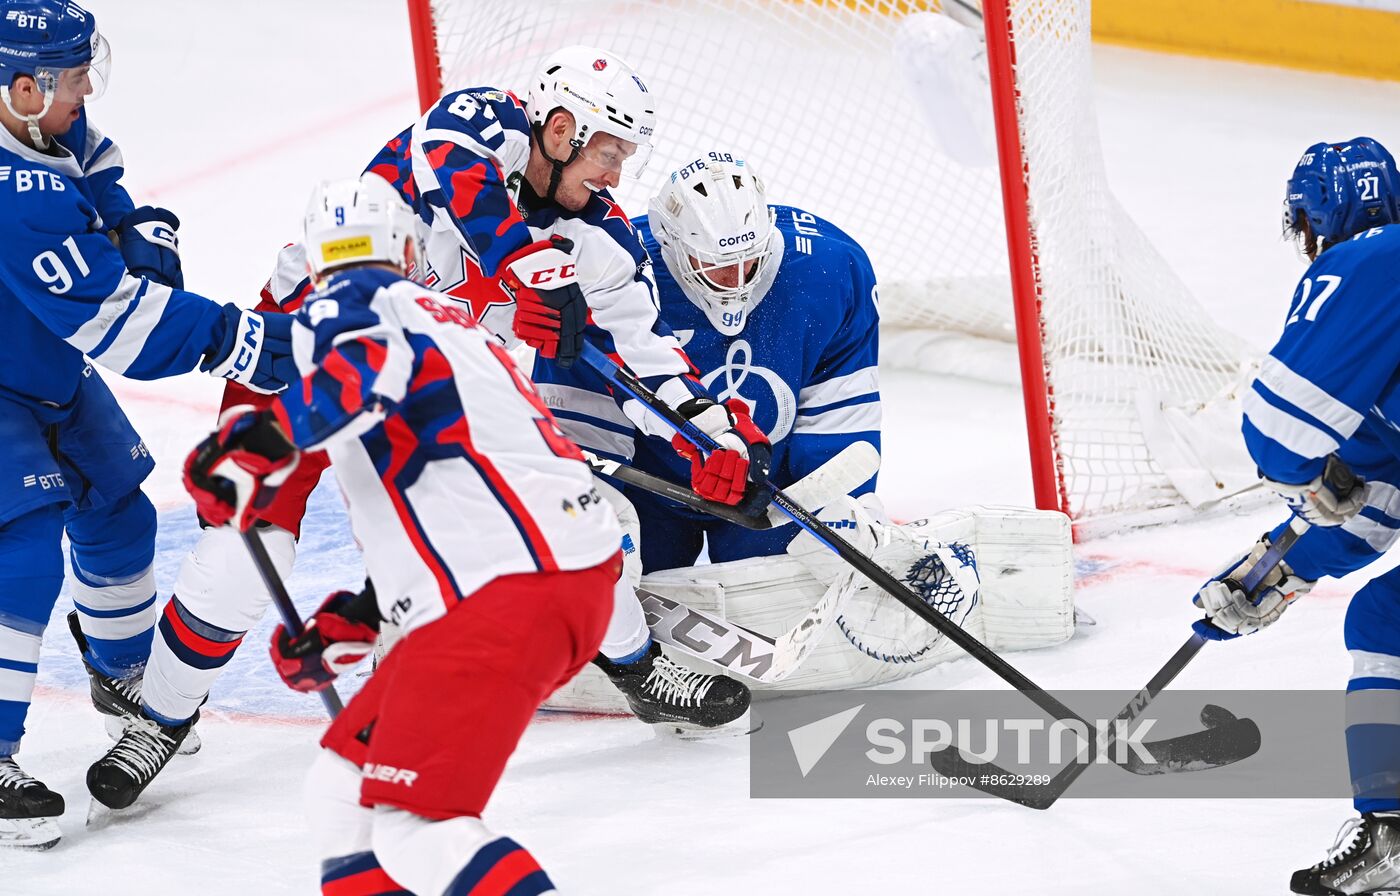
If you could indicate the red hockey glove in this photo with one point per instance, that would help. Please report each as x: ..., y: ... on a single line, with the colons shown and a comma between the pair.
x: 743, y: 456
x: 234, y: 474
x: 550, y: 311
x: 337, y: 638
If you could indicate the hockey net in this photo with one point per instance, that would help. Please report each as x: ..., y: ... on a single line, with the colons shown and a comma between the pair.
x: 831, y: 102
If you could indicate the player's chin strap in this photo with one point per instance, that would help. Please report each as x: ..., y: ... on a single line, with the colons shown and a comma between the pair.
x: 36, y: 136
x: 556, y: 167
x: 1226, y: 739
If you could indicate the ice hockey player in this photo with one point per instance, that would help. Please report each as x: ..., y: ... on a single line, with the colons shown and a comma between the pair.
x: 778, y: 310
x: 86, y: 277
x: 1319, y: 419
x: 482, y: 532
x: 525, y: 232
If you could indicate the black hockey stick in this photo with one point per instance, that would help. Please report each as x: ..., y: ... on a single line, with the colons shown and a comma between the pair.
x: 675, y: 491
x: 1224, y: 737
x: 288, y: 611
x: 1201, y: 745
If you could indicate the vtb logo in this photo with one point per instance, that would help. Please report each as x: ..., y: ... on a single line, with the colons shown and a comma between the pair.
x: 561, y: 274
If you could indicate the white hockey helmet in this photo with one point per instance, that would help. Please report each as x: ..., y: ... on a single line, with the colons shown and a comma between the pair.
x: 718, y: 237
x: 359, y: 221
x: 603, y: 93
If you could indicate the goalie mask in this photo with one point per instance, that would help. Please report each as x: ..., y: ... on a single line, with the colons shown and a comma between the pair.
x: 717, y: 237
x: 359, y: 222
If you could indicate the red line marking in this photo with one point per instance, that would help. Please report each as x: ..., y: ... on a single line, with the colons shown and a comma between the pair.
x: 274, y: 147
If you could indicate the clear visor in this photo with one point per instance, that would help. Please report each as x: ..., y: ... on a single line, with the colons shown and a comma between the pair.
x: 612, y: 153
x: 81, y: 82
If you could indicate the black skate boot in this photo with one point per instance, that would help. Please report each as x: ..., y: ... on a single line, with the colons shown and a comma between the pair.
x: 670, y: 696
x: 117, y: 698
x: 1364, y: 860
x: 144, y: 748
x: 28, y: 809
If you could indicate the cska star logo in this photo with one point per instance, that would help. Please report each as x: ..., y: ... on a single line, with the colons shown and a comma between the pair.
x: 599, y: 64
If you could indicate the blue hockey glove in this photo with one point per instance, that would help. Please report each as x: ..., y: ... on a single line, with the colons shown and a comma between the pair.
x: 150, y: 247
x: 1230, y: 612
x: 255, y: 349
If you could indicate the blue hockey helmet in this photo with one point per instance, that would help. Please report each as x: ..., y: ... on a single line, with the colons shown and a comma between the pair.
x: 1341, y: 189
x: 55, y: 42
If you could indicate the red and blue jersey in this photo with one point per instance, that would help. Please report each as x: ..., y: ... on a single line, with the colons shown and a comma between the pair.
x: 454, y: 471
x: 461, y: 166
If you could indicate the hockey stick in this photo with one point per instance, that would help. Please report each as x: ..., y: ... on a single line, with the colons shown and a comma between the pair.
x: 676, y: 492
x: 840, y: 475
x: 288, y: 611
x: 1207, y: 752
x: 1229, y: 736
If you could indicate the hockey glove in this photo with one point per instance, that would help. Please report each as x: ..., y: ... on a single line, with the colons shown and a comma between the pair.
x: 255, y: 349
x: 1329, y: 500
x: 336, y: 639
x: 150, y: 247
x: 550, y: 311
x: 740, y: 466
x: 1230, y: 610
x: 234, y: 474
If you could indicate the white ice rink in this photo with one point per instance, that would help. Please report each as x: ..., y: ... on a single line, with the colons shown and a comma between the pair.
x: 228, y: 113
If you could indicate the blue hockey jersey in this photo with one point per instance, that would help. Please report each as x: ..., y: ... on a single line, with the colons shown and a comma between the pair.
x: 64, y: 288
x: 1332, y: 385
x: 805, y: 362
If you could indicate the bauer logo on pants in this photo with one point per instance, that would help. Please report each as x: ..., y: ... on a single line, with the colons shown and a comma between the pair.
x: 390, y: 774
x: 961, y: 744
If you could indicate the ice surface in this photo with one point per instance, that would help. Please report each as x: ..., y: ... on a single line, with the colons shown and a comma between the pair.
x: 228, y: 113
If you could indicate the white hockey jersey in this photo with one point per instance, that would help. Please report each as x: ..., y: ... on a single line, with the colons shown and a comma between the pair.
x: 454, y: 471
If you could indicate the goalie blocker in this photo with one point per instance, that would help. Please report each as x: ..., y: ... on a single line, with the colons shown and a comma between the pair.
x: 1005, y: 574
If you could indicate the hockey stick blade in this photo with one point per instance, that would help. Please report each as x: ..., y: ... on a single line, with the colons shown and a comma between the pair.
x: 676, y: 492
x: 1225, y: 740
x: 840, y: 476
x: 738, y: 649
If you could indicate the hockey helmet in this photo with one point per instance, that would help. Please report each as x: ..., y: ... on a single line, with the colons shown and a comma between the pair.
x: 717, y: 236
x: 360, y: 221
x: 604, y: 94
x: 1341, y: 189
x: 55, y: 42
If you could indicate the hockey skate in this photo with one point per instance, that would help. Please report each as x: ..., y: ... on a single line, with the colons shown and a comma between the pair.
x: 1364, y: 860
x: 28, y: 809
x: 117, y: 698
x: 118, y: 778
x: 672, y: 698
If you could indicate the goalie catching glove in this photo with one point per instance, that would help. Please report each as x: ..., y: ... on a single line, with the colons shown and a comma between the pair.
x: 234, y: 474
x: 550, y: 310
x: 1229, y: 610
x: 337, y: 638
x: 739, y: 465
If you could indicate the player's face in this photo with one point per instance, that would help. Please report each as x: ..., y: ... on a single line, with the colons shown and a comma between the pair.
x: 725, y: 276
x: 598, y: 167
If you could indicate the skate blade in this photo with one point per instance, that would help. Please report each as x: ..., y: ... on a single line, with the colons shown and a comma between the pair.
x: 29, y: 833
x: 740, y: 727
x: 190, y: 746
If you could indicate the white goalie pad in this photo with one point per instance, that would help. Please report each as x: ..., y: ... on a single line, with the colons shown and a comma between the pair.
x: 1020, y: 597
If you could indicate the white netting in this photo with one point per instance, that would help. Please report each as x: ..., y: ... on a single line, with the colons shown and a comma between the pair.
x: 828, y: 100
